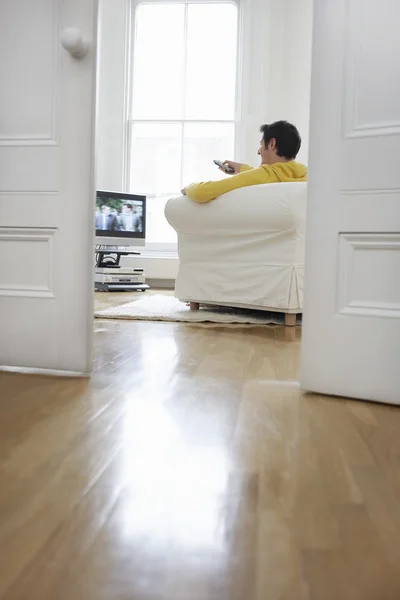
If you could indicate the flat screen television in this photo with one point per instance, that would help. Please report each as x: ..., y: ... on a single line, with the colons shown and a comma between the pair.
x: 120, y: 219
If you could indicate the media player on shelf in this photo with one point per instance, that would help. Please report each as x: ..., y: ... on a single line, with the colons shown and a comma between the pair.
x: 120, y: 227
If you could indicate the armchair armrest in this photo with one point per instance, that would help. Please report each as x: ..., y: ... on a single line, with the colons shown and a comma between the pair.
x: 263, y: 208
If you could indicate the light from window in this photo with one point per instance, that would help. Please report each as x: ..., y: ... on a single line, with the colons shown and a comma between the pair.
x: 183, y: 104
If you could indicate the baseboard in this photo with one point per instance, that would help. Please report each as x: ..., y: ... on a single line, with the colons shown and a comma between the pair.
x: 47, y: 372
x: 161, y: 284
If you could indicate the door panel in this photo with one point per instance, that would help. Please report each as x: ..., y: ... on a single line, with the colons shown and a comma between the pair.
x: 352, y: 302
x: 29, y: 40
x: 46, y: 186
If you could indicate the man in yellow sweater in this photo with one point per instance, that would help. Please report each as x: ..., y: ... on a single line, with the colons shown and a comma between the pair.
x: 279, y: 146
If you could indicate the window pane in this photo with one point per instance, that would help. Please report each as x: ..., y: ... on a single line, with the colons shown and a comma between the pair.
x: 158, y: 230
x: 158, y: 61
x: 211, y: 61
x: 202, y: 143
x: 155, y: 158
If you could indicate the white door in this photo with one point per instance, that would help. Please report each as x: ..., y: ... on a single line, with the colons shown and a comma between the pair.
x: 351, y: 337
x: 46, y: 185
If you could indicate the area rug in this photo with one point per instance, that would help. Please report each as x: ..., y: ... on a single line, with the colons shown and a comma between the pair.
x: 168, y: 308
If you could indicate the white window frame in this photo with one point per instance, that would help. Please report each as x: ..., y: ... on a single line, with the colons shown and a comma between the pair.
x: 164, y: 247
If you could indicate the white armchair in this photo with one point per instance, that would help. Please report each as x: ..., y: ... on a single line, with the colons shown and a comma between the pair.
x: 244, y: 249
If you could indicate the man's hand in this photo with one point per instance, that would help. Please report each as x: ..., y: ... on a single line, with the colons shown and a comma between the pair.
x: 236, y: 166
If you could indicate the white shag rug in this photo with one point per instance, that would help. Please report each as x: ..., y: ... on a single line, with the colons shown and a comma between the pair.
x: 168, y: 308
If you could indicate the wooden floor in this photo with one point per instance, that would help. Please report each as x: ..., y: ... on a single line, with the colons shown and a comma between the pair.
x: 191, y: 467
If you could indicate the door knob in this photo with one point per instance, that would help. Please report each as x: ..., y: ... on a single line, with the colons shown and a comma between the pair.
x: 73, y: 40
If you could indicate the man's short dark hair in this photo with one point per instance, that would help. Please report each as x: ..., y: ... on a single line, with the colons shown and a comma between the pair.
x: 286, y: 135
x: 128, y: 205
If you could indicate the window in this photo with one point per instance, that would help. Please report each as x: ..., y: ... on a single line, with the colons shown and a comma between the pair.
x: 183, y: 100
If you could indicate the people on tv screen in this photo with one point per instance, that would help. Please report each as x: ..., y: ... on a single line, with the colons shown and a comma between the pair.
x: 127, y: 217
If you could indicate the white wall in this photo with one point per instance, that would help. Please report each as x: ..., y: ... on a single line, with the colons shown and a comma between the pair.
x: 254, y: 69
x: 111, y: 116
x: 298, y: 42
x: 290, y: 65
x: 276, y: 78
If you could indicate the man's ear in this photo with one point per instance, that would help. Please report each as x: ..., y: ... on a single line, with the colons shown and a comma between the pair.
x: 272, y: 144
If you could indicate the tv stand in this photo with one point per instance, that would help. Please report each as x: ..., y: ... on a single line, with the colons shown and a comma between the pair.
x: 109, y: 256
x: 111, y: 277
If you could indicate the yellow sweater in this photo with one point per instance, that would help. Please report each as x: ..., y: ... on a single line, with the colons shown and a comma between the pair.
x: 281, y: 171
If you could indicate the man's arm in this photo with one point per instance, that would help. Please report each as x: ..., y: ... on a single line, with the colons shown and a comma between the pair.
x: 236, y: 167
x: 206, y: 191
x: 244, y: 168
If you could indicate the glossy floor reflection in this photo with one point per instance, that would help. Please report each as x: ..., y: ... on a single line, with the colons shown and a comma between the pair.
x: 191, y: 467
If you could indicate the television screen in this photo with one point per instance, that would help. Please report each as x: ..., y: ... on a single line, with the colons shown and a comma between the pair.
x: 120, y: 215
